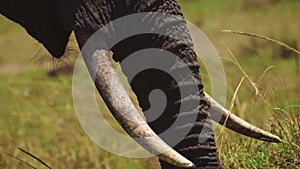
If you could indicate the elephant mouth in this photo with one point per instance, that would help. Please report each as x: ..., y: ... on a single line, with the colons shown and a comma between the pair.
x: 117, y: 100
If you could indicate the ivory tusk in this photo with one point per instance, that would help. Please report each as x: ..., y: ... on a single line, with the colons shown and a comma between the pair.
x: 222, y: 115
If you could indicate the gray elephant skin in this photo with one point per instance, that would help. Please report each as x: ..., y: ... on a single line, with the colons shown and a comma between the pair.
x: 52, y: 21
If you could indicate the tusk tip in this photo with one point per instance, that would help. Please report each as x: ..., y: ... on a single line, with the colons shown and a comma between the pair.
x: 274, y: 139
x: 191, y: 165
x: 188, y: 165
x: 176, y: 159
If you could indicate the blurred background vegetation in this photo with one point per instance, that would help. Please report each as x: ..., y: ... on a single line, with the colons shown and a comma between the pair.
x: 37, y: 114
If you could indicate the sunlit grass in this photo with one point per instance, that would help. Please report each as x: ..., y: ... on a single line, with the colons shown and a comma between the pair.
x: 283, y: 120
x: 37, y: 115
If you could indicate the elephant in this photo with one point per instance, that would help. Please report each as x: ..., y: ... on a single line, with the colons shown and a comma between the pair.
x: 51, y: 22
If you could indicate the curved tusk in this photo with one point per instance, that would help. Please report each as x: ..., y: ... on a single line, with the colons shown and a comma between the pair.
x: 120, y: 105
x: 117, y: 100
x: 221, y: 115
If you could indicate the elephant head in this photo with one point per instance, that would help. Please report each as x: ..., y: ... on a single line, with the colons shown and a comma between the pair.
x: 51, y: 22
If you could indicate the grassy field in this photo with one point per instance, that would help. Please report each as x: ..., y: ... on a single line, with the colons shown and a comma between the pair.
x: 37, y: 114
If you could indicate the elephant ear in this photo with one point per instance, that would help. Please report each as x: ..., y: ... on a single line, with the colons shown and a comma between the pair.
x: 40, y: 20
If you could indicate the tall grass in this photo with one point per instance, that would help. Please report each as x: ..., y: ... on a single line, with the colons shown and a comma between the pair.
x: 284, y: 122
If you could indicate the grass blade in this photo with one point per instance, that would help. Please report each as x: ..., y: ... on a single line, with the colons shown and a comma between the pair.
x: 33, y: 156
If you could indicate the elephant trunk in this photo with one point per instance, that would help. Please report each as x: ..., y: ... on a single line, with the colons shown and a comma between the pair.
x: 185, y: 121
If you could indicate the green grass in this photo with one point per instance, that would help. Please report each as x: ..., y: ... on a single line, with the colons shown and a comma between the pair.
x: 14, y: 37
x: 276, y: 108
x: 37, y: 114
